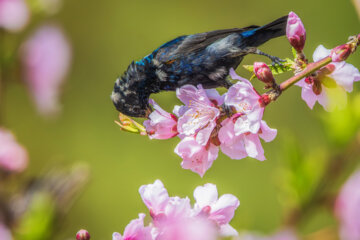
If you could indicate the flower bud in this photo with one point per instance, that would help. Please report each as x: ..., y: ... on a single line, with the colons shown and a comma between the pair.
x: 341, y: 53
x: 264, y: 100
x: 295, y: 32
x: 82, y: 235
x: 264, y: 74
x: 129, y: 125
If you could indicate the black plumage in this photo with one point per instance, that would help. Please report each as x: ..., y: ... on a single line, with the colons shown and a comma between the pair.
x: 203, y: 58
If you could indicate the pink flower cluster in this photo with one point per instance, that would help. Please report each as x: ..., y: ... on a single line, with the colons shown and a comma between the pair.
x: 13, y: 156
x: 173, y: 218
x: 347, y: 208
x: 204, y: 124
x: 330, y: 85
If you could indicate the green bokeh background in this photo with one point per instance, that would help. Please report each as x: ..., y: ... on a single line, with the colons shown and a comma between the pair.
x: 106, y: 36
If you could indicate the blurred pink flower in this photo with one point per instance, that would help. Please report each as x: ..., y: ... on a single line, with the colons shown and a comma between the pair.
x: 14, y: 15
x: 330, y: 86
x: 347, y: 208
x: 13, y: 156
x: 186, y: 229
x: 295, y: 32
x: 161, y: 124
x: 5, y: 233
x: 46, y: 58
x: 196, y: 157
x: 135, y: 230
x: 281, y: 235
x: 219, y: 210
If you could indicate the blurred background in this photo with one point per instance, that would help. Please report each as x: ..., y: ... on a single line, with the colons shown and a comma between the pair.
x: 105, y: 37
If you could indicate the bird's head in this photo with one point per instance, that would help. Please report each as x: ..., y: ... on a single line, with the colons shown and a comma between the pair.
x: 131, y: 93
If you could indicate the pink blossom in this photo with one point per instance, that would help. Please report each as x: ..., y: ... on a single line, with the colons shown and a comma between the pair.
x: 264, y: 74
x: 240, y: 145
x: 204, y: 125
x: 13, y: 156
x: 135, y: 230
x: 173, y: 218
x: 347, y: 208
x: 163, y: 209
x: 82, y: 235
x: 201, y: 113
x: 341, y: 53
x: 295, y: 32
x: 330, y: 86
x: 161, y: 124
x: 219, y: 210
x: 239, y: 135
x: 243, y: 97
x: 155, y: 197
x: 46, y: 58
x: 14, y: 15
x: 196, y: 157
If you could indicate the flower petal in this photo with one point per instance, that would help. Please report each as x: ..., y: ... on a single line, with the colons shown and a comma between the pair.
x: 227, y: 231
x: 253, y: 146
x: 267, y: 133
x: 196, y: 157
x: 345, y: 75
x: 155, y: 196
x: 135, y: 230
x: 205, y: 195
x: 333, y: 98
x: 320, y: 53
x: 224, y: 209
x: 307, y: 94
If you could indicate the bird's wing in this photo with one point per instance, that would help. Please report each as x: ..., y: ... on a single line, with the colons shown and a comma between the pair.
x: 183, y: 46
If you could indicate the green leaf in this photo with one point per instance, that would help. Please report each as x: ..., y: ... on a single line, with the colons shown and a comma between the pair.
x: 276, y: 69
x: 250, y: 68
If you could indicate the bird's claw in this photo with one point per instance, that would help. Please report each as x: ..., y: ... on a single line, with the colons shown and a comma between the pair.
x: 277, y: 63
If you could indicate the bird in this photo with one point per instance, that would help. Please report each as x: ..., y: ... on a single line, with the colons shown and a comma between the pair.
x: 202, y: 58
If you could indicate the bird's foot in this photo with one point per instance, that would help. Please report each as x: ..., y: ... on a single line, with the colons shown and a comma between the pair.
x: 276, y: 61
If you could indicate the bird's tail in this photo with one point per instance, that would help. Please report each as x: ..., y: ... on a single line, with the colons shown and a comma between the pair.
x: 262, y: 34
